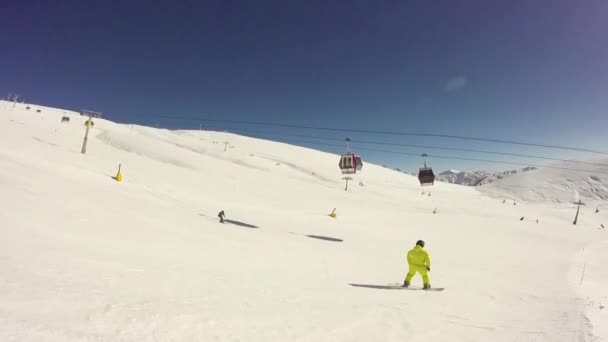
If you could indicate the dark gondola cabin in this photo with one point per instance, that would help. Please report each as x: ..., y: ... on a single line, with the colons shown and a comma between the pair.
x: 426, y: 176
x: 350, y: 163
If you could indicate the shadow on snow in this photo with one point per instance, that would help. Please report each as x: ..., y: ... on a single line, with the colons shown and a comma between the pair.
x: 326, y: 238
x: 239, y: 223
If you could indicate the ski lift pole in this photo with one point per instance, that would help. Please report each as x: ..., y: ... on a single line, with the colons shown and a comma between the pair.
x: 578, y: 208
x: 346, y: 179
x: 425, y: 156
x: 347, y: 144
x: 88, y: 123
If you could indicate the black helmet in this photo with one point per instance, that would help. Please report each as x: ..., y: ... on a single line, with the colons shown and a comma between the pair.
x: 420, y: 243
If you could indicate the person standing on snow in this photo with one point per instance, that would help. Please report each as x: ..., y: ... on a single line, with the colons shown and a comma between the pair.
x: 419, y: 261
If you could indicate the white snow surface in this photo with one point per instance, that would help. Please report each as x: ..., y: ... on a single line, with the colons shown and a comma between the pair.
x: 479, y: 177
x: 86, y: 258
x: 562, y: 184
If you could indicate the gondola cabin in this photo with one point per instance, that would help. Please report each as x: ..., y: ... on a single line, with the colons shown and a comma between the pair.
x: 350, y: 163
x: 426, y: 176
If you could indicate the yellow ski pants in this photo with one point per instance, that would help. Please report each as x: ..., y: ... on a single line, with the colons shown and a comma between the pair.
x: 418, y: 269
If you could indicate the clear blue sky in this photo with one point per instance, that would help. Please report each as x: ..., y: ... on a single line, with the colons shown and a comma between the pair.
x: 535, y: 71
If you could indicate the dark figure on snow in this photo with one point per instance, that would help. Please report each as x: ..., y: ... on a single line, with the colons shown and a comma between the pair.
x: 221, y: 215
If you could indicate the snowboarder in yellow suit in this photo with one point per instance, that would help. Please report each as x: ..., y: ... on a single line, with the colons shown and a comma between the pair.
x: 419, y: 261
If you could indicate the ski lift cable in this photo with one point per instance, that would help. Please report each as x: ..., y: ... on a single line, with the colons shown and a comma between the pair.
x: 422, y: 134
x: 477, y: 159
x: 426, y: 147
x: 432, y: 147
x: 443, y: 157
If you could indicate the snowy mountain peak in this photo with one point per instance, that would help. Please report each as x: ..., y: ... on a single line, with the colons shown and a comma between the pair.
x: 449, y: 172
x: 563, y: 184
x: 475, y: 178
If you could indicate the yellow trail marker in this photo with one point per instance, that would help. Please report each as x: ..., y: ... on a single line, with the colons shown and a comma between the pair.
x: 333, y: 213
x: 119, y: 174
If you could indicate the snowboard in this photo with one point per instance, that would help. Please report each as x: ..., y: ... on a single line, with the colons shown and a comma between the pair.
x: 397, y: 287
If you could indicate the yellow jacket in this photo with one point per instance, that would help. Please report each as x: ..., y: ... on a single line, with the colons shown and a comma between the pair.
x: 418, y: 256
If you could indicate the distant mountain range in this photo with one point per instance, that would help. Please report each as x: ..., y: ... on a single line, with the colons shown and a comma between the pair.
x: 476, y: 178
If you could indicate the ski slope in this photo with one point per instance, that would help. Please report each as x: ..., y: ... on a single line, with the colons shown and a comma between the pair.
x: 86, y: 258
x: 557, y: 185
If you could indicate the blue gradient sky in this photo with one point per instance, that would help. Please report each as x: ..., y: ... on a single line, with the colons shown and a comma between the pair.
x: 535, y: 71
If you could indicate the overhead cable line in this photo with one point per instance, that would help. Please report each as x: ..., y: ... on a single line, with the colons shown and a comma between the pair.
x: 428, y: 147
x: 433, y: 135
x: 441, y: 156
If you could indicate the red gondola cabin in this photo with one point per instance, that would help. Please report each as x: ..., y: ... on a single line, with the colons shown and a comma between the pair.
x: 350, y: 163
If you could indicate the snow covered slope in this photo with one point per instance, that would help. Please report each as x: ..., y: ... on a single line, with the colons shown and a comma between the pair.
x: 86, y: 258
x: 556, y: 185
x: 476, y: 178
